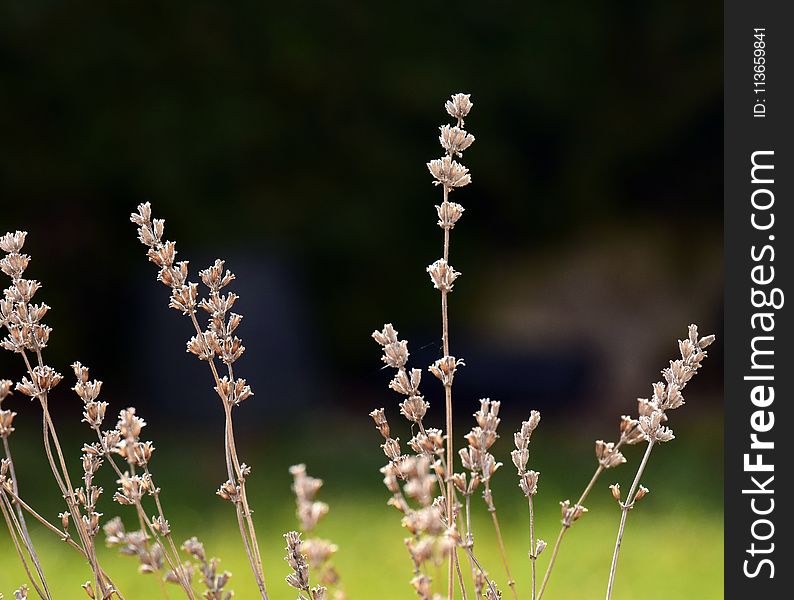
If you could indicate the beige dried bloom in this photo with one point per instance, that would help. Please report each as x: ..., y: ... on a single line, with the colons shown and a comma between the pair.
x: 381, y: 424
x: 299, y: 578
x: 14, y: 264
x: 490, y: 594
x: 641, y: 493
x: 607, y: 454
x: 630, y: 432
x: 414, y: 408
x: 449, y: 173
x: 422, y: 585
x: 309, y: 511
x: 391, y: 448
x: 211, y: 577
x: 6, y: 416
x: 615, y: 488
x: 235, y: 391
x: 215, y: 277
x: 652, y: 428
x: 429, y: 443
x: 318, y: 551
x: 11, y: 243
x: 6, y: 387
x: 454, y: 139
x: 42, y: 380
x: 571, y: 514
x: 22, y: 593
x: 449, y: 213
x: 528, y: 482
x: 459, y: 106
x: 387, y: 336
x: 6, y: 423
x: 406, y: 383
x: 229, y: 491
x: 444, y: 369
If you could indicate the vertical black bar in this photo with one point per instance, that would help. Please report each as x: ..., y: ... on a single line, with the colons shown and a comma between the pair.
x: 759, y: 255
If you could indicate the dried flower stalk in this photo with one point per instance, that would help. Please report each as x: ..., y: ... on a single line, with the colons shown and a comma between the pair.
x: 450, y: 175
x: 666, y: 396
x: 28, y: 336
x: 6, y: 429
x: 608, y: 456
x: 213, y: 579
x: 317, y: 551
x: 528, y: 482
x: 217, y: 341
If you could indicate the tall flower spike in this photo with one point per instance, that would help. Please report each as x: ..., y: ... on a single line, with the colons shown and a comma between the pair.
x: 666, y: 396
x: 216, y: 341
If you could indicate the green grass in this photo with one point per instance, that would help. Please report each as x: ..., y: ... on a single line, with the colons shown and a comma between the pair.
x: 673, y: 547
x: 676, y: 555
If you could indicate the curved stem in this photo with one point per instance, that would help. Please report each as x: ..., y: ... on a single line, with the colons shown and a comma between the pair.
x: 14, y: 529
x: 244, y: 518
x: 21, y: 518
x: 62, y: 478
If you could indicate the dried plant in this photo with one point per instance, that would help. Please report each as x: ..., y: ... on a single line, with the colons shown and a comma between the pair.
x: 317, y: 551
x: 215, y: 342
x: 434, y: 500
x: 428, y: 478
x: 666, y: 397
x: 27, y: 336
x: 153, y: 543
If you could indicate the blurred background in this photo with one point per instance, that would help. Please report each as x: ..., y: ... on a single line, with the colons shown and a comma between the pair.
x: 291, y: 140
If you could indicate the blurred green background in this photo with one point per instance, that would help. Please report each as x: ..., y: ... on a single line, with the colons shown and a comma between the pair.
x: 291, y: 139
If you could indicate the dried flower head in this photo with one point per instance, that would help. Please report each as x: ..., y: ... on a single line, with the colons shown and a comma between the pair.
x: 571, y: 513
x: 299, y: 578
x: 607, y: 454
x: 449, y: 173
x: 449, y: 213
x: 459, y: 106
x: 309, y: 511
x: 454, y: 139
x: 444, y: 369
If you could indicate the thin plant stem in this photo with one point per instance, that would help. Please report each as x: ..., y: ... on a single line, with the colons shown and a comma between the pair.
x: 62, y: 479
x: 564, y: 528
x: 236, y: 475
x: 532, y: 556
x: 448, y: 413
x: 21, y: 518
x: 625, y: 508
x: 14, y: 529
x: 60, y: 533
x: 495, y: 520
x: 552, y: 560
x: 488, y: 582
x: 180, y: 567
x: 173, y: 561
x: 243, y: 492
x: 460, y: 578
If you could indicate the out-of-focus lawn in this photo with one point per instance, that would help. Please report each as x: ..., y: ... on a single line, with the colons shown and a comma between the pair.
x: 675, y: 556
x: 672, y: 549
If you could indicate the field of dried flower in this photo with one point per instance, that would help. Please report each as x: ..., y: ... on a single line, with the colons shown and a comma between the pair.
x: 675, y: 541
